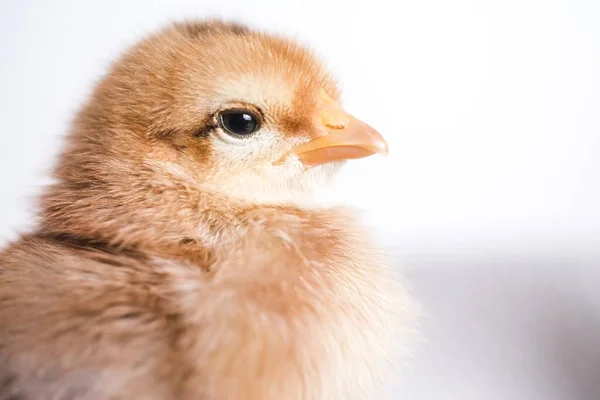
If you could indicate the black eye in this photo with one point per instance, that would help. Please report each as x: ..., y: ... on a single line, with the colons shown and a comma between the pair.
x: 239, y: 122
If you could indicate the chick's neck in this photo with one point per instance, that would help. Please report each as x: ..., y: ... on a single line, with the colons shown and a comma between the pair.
x: 139, y: 212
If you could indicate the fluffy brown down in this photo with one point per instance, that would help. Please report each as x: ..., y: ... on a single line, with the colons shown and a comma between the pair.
x: 157, y: 273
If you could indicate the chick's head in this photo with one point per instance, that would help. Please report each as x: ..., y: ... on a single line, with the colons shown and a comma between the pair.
x: 229, y: 110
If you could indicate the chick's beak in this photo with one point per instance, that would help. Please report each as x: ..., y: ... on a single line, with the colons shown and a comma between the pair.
x: 345, y: 138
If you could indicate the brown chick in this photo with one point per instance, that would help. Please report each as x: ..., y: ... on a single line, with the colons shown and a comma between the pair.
x: 180, y: 254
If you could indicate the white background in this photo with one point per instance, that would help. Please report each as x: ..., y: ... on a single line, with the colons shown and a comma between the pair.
x: 490, y: 198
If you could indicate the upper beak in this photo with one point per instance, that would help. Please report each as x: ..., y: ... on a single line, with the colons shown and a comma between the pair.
x: 345, y: 138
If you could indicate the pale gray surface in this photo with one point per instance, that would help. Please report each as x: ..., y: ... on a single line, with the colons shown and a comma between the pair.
x: 490, y: 198
x: 518, y: 328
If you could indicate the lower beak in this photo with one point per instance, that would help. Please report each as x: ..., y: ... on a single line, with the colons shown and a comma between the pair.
x: 347, y: 138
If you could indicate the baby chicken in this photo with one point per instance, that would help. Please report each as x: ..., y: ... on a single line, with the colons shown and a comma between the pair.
x: 180, y: 254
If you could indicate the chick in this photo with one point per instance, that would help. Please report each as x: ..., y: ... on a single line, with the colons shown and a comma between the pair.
x: 180, y: 253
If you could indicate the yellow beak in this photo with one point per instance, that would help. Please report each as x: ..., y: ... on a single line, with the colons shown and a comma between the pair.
x: 345, y: 138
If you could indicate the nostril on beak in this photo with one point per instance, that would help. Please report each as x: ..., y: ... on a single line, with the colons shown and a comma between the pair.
x: 331, y: 114
x: 334, y: 119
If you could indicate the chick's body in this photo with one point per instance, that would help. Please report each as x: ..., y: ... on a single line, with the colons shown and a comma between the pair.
x: 175, y: 260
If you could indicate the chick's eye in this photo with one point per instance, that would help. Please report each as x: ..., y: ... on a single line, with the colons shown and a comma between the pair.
x: 239, y: 122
